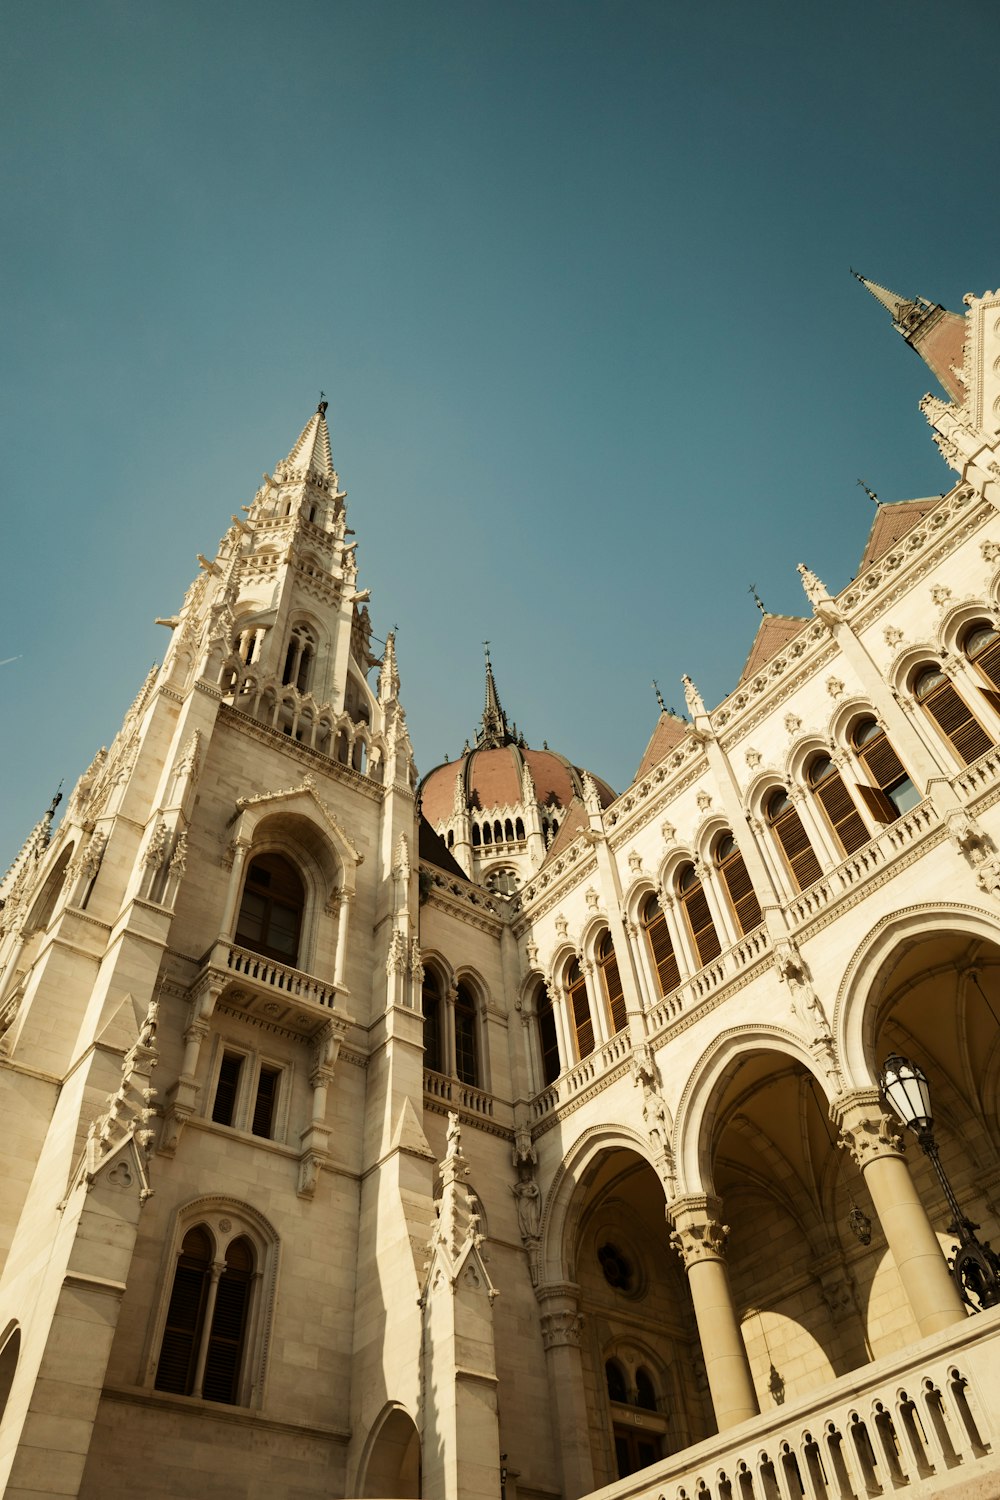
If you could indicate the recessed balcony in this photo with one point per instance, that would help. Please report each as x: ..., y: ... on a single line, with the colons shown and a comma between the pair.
x: 266, y: 990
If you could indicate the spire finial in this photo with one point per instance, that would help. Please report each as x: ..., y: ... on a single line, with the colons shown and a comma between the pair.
x: 870, y: 493
x: 756, y: 598
x: 493, y: 730
x: 323, y: 404
x: 659, y: 696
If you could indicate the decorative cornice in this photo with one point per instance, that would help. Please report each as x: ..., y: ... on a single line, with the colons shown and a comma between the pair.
x: 333, y: 770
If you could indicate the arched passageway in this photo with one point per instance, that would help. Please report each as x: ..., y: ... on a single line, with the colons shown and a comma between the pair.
x: 391, y: 1465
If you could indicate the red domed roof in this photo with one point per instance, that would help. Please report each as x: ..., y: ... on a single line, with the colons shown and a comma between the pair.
x: 492, y: 773
x: 492, y: 778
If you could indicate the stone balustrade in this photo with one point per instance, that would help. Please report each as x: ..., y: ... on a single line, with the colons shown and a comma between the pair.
x: 923, y: 1421
x: 462, y: 1096
x: 274, y: 976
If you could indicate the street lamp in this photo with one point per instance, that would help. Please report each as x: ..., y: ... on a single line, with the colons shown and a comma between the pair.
x: 975, y: 1267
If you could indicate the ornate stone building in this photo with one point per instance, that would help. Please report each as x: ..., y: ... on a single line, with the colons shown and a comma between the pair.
x: 501, y: 1135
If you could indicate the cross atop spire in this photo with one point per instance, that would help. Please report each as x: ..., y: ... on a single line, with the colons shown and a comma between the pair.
x: 493, y: 731
x: 312, y: 451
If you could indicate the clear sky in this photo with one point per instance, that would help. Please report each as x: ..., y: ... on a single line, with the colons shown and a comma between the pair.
x: 574, y: 277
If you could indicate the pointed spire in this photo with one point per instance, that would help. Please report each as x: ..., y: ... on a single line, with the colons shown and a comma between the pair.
x: 937, y: 335
x: 312, y: 451
x: 388, y: 677
x: 493, y: 731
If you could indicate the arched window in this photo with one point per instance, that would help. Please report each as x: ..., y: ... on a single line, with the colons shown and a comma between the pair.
x: 299, y: 658
x: 935, y: 692
x: 204, y: 1340
x: 508, y: 830
x: 487, y: 833
x: 477, y: 837
x: 579, y: 1006
x: 548, y: 1040
x: 893, y: 792
x: 661, y: 949
x: 981, y: 644
x: 731, y: 866
x: 645, y: 1391
x: 793, y: 841
x: 466, y: 1046
x: 848, y: 826
x: 504, y: 881
x: 611, y: 975
x: 617, y: 1385
x: 699, y: 917
x: 45, y: 904
x: 431, y: 1001
x: 270, y: 918
x: 498, y: 832
x: 519, y: 830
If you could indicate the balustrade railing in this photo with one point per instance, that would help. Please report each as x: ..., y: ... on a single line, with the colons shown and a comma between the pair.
x: 886, y: 846
x: 270, y: 975
x: 463, y: 1095
x: 917, y: 1418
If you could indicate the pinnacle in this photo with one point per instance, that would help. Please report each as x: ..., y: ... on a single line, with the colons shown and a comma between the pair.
x: 493, y: 730
x: 312, y: 451
x: 898, y: 307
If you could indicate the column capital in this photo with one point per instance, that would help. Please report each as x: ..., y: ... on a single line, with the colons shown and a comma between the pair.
x: 697, y: 1232
x: 867, y: 1129
x: 561, y: 1319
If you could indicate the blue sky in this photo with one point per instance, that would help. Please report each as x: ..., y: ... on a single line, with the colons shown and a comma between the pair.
x: 574, y: 278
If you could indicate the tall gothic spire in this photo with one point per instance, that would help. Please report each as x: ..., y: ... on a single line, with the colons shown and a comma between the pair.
x: 937, y: 335
x: 312, y: 451
x: 493, y: 730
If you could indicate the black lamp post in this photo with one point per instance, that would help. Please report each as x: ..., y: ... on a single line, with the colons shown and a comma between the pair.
x: 975, y: 1267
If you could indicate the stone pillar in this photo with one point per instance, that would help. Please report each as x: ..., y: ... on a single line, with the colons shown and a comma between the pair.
x: 598, y: 1004
x: 561, y: 1327
x: 871, y: 1136
x: 680, y: 934
x: 699, y: 1238
x: 218, y: 1270
x: 567, y: 1054
x: 448, y: 1032
x: 340, y: 960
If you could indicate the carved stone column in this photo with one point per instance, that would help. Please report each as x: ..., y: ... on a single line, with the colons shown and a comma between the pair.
x: 340, y: 960
x: 596, y: 1001
x: 870, y: 1133
x: 700, y: 1238
x: 561, y: 1328
x: 182, y: 1098
x: 315, y: 1139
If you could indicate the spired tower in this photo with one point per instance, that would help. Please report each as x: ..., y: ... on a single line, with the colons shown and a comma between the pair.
x: 212, y: 1045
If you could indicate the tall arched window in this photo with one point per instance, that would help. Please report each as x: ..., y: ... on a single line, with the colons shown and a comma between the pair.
x: 699, y: 916
x: 936, y: 693
x: 299, y: 658
x: 614, y: 1375
x: 981, y: 644
x: 466, y: 1041
x: 611, y: 975
x: 431, y: 1001
x: 204, y: 1339
x: 848, y: 826
x: 731, y: 866
x: 548, y: 1040
x: 661, y: 949
x: 793, y: 841
x: 270, y: 918
x: 579, y: 1007
x: 893, y: 792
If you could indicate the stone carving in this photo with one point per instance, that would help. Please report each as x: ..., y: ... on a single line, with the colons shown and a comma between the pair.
x: 703, y: 800
x: 700, y: 1240
x: 529, y: 1210
x: 178, y: 860
x: 416, y: 963
x: 892, y: 636
x: 523, y: 1152
x: 153, y: 857
x: 792, y: 723
x: 940, y: 594
x: 753, y: 758
x: 129, y: 1111
x: 401, y: 861
x: 802, y: 997
x: 395, y: 958
x: 695, y: 702
x: 866, y: 1129
x: 990, y: 551
x: 561, y: 1328
x: 834, y: 687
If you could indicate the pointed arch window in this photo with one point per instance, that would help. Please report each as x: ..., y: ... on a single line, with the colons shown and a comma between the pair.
x: 614, y: 1375
x: 579, y: 1007
x: 548, y: 1039
x: 698, y: 914
x: 431, y: 1002
x: 981, y: 645
x: 299, y: 658
x: 792, y: 839
x: 203, y: 1349
x: 466, y: 1041
x: 611, y: 976
x: 654, y: 925
x: 732, y: 867
x: 893, y: 793
x: 936, y: 693
x: 846, y: 823
x: 270, y: 917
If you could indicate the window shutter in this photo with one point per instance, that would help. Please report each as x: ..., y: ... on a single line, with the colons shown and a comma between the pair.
x: 878, y: 804
x: 664, y: 959
x: 795, y: 846
x: 706, y: 939
x: 615, y: 993
x: 884, y: 765
x: 267, y: 1096
x: 992, y: 698
x: 952, y: 714
x: 225, y: 1342
x: 741, y: 892
x: 182, y: 1334
x: 849, y: 827
x: 224, y: 1105
x: 988, y: 662
x: 549, y: 1040
x: 582, y: 1023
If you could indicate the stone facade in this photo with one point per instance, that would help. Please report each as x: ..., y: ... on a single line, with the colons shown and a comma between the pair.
x: 338, y: 1165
